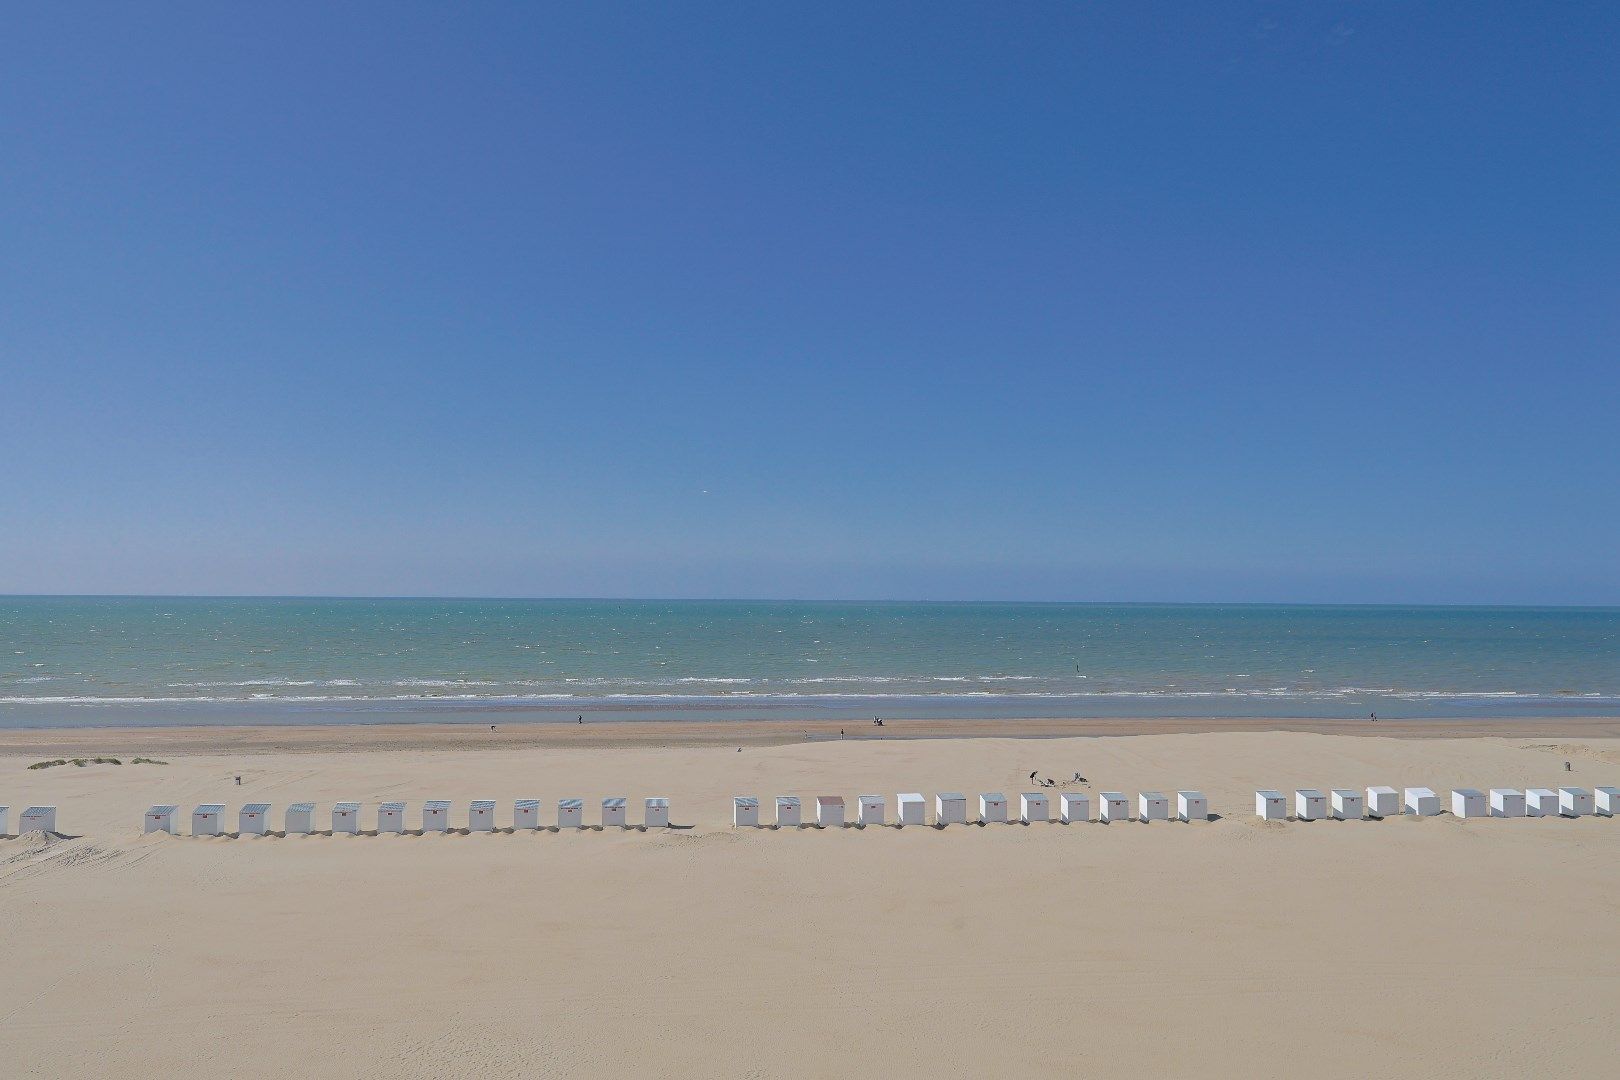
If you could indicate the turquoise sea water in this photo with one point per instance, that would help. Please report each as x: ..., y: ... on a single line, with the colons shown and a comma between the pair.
x: 85, y: 661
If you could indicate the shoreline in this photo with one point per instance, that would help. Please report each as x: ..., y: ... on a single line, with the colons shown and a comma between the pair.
x: 476, y: 736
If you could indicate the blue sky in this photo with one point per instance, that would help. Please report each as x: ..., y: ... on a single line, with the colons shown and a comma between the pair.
x: 1104, y: 301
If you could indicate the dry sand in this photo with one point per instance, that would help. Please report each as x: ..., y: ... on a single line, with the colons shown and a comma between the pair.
x: 1437, y: 947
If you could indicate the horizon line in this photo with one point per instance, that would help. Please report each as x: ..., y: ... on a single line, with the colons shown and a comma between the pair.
x: 785, y: 600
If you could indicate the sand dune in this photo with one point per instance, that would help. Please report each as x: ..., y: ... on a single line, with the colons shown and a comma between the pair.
x: 1438, y: 947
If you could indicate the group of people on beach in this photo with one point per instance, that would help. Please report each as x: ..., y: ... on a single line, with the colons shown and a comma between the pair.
x: 1035, y: 778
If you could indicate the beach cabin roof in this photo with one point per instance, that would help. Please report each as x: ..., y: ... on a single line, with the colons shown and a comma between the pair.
x: 392, y: 808
x: 952, y: 796
x: 746, y: 801
x: 163, y: 809
x: 571, y: 804
x: 614, y: 803
x: 301, y: 808
x: 436, y: 806
x: 256, y: 808
x: 910, y: 796
x: 829, y: 800
x: 483, y: 805
x: 659, y: 800
x: 346, y: 808
x: 528, y: 804
x: 1268, y: 794
x: 211, y: 808
x: 787, y: 800
x: 1469, y: 793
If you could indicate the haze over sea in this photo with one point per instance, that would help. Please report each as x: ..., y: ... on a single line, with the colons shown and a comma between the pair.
x: 84, y: 661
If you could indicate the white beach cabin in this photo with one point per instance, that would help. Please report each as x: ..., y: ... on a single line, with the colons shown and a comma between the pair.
x: 1347, y: 804
x: 1574, y: 802
x: 391, y: 817
x: 869, y: 809
x: 1310, y: 805
x: 43, y: 819
x: 1507, y: 802
x: 788, y: 811
x: 158, y: 819
x: 34, y: 819
x: 950, y: 808
x: 1152, y: 806
x: 1270, y: 805
x: 345, y: 817
x: 300, y: 819
x: 829, y: 810
x: 1383, y: 802
x: 1192, y: 806
x: 205, y: 820
x: 655, y: 812
x: 744, y: 811
x: 992, y: 806
x: 1113, y: 806
x: 4, y: 810
x: 910, y: 808
x: 1422, y: 802
x: 1034, y: 806
x: 481, y: 815
x: 613, y: 810
x: 571, y: 813
x: 1606, y: 803
x: 1540, y: 802
x: 526, y: 814
x: 253, y: 819
x: 436, y: 815
x: 1074, y: 806
x: 1468, y: 802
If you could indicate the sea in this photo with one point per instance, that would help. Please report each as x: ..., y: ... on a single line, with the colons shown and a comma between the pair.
x: 133, y: 661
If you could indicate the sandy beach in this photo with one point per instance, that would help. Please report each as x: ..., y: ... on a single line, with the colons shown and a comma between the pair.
x: 1439, y: 947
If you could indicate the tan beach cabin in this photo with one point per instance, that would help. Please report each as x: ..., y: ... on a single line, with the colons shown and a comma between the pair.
x: 1422, y: 802
x: 1347, y: 804
x: 613, y: 810
x: 1113, y: 806
x: 1540, y: 802
x: 481, y: 815
x: 1468, y: 802
x: 1310, y: 804
x: 345, y: 818
x: 1192, y: 806
x: 1074, y: 806
x: 570, y: 813
x: 745, y: 811
x: 1033, y: 806
x: 788, y: 811
x: 1383, y: 802
x: 526, y: 814
x: 910, y: 808
x: 391, y: 817
x: 205, y: 820
x: 830, y: 811
x: 1605, y: 804
x: 655, y: 812
x: 869, y: 809
x: 37, y: 819
x: 950, y: 808
x: 436, y: 815
x: 158, y: 819
x: 1574, y: 802
x: 253, y: 819
x: 1270, y: 806
x: 992, y: 807
x: 300, y: 819
x: 1152, y: 806
x: 1507, y: 802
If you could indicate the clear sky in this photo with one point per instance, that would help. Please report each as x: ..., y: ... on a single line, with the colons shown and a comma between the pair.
x: 1094, y: 301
